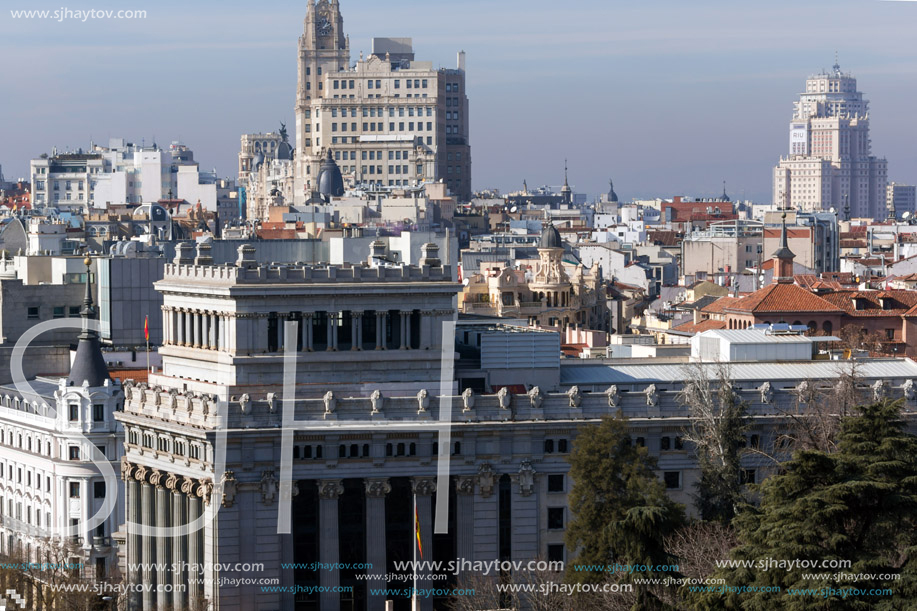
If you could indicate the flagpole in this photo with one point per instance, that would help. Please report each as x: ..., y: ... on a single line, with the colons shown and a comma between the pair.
x: 146, y: 332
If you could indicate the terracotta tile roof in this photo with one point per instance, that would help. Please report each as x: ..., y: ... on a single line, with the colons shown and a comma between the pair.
x: 899, y: 302
x: 720, y: 304
x: 663, y: 238
x: 704, y: 325
x: 783, y: 298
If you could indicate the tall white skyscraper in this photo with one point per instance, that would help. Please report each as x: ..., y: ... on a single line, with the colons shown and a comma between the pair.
x: 830, y: 163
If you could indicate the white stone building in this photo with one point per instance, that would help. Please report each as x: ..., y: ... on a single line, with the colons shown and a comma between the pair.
x: 390, y: 120
x: 830, y: 162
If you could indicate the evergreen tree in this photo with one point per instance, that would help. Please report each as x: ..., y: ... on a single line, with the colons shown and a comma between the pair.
x: 621, y: 513
x: 858, y: 504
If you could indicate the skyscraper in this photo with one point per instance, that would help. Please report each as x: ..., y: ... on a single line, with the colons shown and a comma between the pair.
x: 830, y: 163
x: 389, y: 120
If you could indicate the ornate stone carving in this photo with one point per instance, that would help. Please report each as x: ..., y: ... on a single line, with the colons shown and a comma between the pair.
x: 140, y: 474
x: 127, y: 469
x: 908, y: 389
x: 879, y: 390
x: 330, y: 489
x: 504, y: 398
x: 423, y: 400
x: 423, y: 486
x: 486, y: 479
x: 187, y: 486
x: 271, y: 399
x: 330, y: 402
x: 229, y: 487
x: 536, y: 397
x: 173, y: 482
x: 245, y: 402
x: 652, y: 396
x: 377, y: 487
x: 376, y: 400
x: 613, y: 396
x: 574, y: 396
x: 156, y: 478
x: 467, y: 400
x: 205, y: 490
x: 767, y: 392
x: 526, y: 478
x: 268, y: 487
x: 464, y: 484
x: 803, y: 391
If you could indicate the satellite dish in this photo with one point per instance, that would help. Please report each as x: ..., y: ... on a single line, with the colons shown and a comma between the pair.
x: 832, y: 210
x: 514, y: 208
x: 906, y: 215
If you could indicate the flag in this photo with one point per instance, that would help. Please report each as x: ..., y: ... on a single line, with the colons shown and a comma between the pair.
x: 417, y: 531
x: 146, y: 327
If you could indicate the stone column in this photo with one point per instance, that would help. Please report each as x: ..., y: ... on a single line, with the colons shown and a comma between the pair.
x: 423, y: 489
x: 163, y: 544
x: 195, y: 329
x: 184, y: 324
x: 205, y: 329
x: 380, y: 330
x: 405, y: 330
x: 134, y: 537
x: 195, y: 553
x: 281, y: 319
x: 148, y: 517
x: 426, y: 329
x: 179, y: 544
x: 376, y: 489
x: 464, y: 517
x: 329, y: 490
x: 356, y: 330
x: 525, y: 514
x: 332, y: 331
x: 307, y: 331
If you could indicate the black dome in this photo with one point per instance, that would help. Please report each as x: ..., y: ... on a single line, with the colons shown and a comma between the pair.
x: 330, y: 181
x: 550, y: 237
x: 285, y: 151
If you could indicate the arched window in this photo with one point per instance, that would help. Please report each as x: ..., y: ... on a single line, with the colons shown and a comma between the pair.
x: 827, y: 327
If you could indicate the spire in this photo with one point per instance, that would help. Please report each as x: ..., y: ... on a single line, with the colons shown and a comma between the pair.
x: 565, y: 174
x: 88, y: 364
x: 837, y: 66
x: 783, y: 257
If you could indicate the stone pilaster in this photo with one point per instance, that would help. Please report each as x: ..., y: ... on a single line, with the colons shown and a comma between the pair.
x: 329, y: 491
x: 376, y: 490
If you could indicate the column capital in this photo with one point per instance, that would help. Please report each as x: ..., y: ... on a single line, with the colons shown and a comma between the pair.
x: 156, y: 478
x: 356, y: 313
x: 127, y: 469
x: 423, y: 486
x: 330, y: 489
x: 187, y: 486
x: 173, y: 482
x: 140, y: 474
x: 377, y: 487
x: 464, y: 484
x: 204, y: 490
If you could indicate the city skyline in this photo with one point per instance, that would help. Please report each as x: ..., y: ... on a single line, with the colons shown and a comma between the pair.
x: 621, y: 66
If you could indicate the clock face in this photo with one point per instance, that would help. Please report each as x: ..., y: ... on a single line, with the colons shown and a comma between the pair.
x: 323, y: 26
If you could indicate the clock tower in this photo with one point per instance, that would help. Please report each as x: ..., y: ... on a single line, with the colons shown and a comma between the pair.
x: 323, y: 50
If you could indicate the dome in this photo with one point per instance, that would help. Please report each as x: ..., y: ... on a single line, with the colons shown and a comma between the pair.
x: 330, y: 181
x: 285, y: 151
x: 550, y: 237
x: 612, y: 196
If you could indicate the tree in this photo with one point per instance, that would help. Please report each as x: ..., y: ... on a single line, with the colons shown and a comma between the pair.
x: 621, y: 513
x: 856, y: 504
x: 718, y: 419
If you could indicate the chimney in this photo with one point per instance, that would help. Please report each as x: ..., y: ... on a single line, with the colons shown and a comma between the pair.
x: 183, y: 254
x: 246, y: 256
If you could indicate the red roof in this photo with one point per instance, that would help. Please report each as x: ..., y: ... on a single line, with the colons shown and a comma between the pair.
x: 720, y: 304
x: 137, y: 375
x: 704, y: 325
x: 779, y: 297
x: 869, y: 304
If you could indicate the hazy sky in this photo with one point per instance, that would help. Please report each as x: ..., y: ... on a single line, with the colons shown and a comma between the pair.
x: 666, y: 97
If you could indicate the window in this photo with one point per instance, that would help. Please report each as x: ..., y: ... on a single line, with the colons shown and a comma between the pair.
x: 548, y: 446
x: 58, y: 312
x: 665, y: 443
x: 555, y: 518
x: 98, y: 490
x: 556, y: 552
x: 672, y: 479
x: 33, y: 312
x: 98, y: 412
x: 556, y: 482
x: 562, y: 446
x: 74, y: 490
x: 74, y: 452
x: 101, y: 449
x: 74, y: 412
